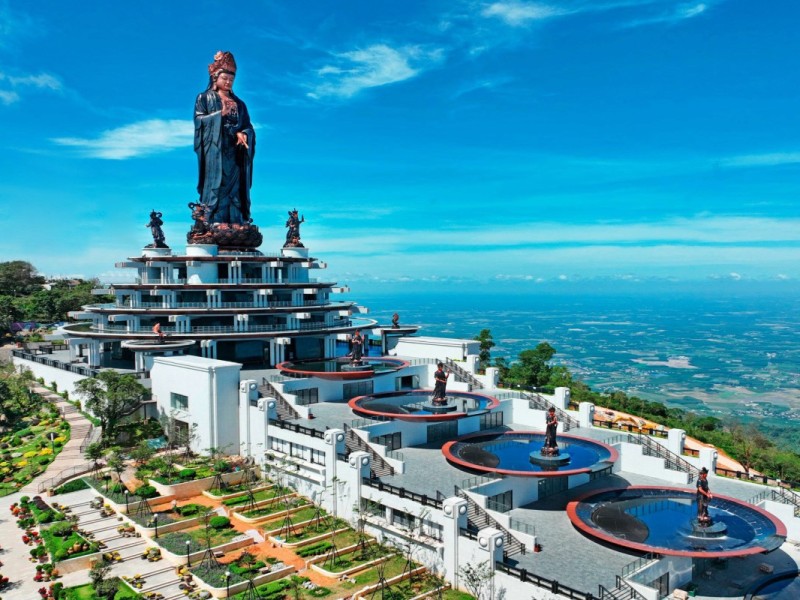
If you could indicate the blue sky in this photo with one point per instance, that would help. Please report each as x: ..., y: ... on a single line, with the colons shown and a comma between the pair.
x: 508, y: 141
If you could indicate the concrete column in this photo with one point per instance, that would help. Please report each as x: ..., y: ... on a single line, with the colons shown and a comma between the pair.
x: 675, y: 440
x: 586, y: 414
x: 334, y: 440
x: 94, y: 353
x: 455, y: 514
x: 708, y: 459
x: 359, y: 461
x: 491, y: 540
x: 561, y: 398
x: 248, y: 391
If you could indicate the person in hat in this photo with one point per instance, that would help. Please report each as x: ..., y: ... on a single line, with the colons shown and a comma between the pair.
x: 703, y: 498
x: 551, y: 422
x: 225, y: 143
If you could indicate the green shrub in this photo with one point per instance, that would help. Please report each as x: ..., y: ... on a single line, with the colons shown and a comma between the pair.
x: 43, y: 460
x: 314, y: 549
x: 24, y: 432
x: 147, y: 491
x: 187, y: 473
x: 15, y: 441
x: 188, y: 510
x: 62, y: 529
x: 219, y: 522
x: 72, y: 486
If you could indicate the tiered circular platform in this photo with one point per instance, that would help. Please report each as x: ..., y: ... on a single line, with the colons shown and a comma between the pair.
x: 518, y: 453
x: 417, y: 405
x: 341, y: 368
x: 663, y: 520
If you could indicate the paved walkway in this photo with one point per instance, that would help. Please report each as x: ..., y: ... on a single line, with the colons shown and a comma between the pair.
x: 70, y: 456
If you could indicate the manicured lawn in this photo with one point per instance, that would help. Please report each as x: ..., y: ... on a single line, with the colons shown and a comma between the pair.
x: 313, y: 530
x: 353, y: 559
x: 266, y: 494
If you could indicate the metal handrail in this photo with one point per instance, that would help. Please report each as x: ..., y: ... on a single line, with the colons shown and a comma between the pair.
x: 548, y: 584
x: 63, y: 476
x: 639, y: 563
x: 673, y: 461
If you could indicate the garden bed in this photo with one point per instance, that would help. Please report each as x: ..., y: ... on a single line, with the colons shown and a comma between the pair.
x: 274, y: 508
x: 63, y: 543
x: 26, y: 451
x: 86, y: 592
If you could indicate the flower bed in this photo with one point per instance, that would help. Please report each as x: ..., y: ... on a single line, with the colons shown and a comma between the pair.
x: 115, y: 492
x: 26, y: 451
x: 42, y: 512
x: 63, y: 543
x: 276, y: 590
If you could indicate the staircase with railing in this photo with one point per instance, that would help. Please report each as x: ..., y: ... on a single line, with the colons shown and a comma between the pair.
x: 463, y: 375
x: 286, y: 412
x: 782, y: 495
x: 535, y: 401
x: 378, y: 466
x: 478, y: 518
x: 672, y: 461
x: 622, y: 591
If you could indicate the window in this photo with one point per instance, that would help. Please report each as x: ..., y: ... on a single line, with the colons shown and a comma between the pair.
x: 307, y: 396
x: 501, y: 502
x: 178, y: 401
x: 407, y: 382
x: 392, y: 441
x: 403, y: 519
x: 359, y: 388
x: 442, y: 431
x: 280, y: 445
x: 491, y: 420
x: 317, y: 457
x: 432, y: 530
x: 297, y: 451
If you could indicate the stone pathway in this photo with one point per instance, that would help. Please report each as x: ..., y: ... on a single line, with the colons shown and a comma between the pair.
x: 70, y: 456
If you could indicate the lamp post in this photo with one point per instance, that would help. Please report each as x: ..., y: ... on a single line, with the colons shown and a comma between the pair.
x: 52, y: 446
x: 188, y: 560
x: 155, y: 520
x: 127, y: 509
x: 227, y: 583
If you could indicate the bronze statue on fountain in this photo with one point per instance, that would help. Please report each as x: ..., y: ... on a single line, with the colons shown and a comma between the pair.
x: 293, y: 230
x: 225, y: 143
x: 550, y: 447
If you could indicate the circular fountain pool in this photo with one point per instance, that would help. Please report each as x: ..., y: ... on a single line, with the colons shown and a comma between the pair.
x: 663, y: 520
x: 416, y: 405
x: 518, y: 453
x: 341, y: 368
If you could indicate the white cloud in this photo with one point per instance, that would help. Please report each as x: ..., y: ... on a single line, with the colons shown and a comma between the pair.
x: 520, y: 14
x: 675, y: 15
x: 134, y: 140
x: 374, y: 66
x: 11, y: 86
x: 762, y: 160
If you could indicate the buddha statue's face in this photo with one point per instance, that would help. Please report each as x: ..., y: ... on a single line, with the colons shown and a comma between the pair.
x: 225, y: 81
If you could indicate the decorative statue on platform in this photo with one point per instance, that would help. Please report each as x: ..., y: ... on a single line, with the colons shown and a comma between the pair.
x: 225, y: 143
x: 440, y: 385
x: 703, y: 498
x: 155, y: 228
x: 357, y: 345
x: 550, y: 447
x: 293, y: 230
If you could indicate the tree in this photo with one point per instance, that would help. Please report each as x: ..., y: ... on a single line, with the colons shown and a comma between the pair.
x: 111, y: 396
x: 477, y: 578
x: 116, y: 463
x: 104, y: 588
x: 487, y: 343
x: 18, y: 278
x: 142, y: 453
x: 531, y: 368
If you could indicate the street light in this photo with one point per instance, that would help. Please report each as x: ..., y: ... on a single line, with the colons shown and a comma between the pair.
x: 227, y: 583
x: 155, y: 520
x: 127, y: 508
x: 52, y: 447
x: 188, y: 560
